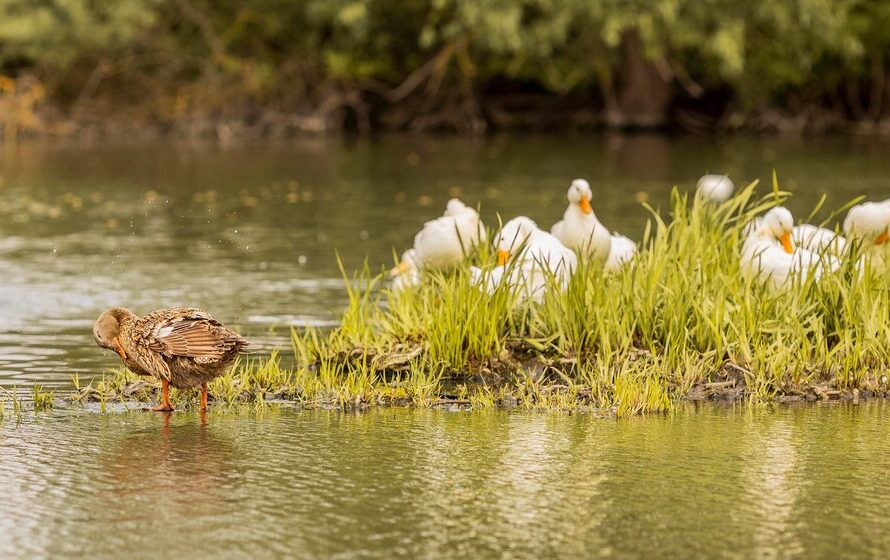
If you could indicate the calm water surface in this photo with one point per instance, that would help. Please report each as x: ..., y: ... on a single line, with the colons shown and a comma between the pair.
x: 807, y: 482
x: 251, y: 232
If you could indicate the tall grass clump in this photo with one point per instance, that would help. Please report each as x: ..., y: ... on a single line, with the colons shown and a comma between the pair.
x: 680, y: 315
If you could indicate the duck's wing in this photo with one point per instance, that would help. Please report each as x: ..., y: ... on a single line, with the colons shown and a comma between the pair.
x: 818, y: 239
x: 439, y: 244
x: 432, y: 231
x: 190, y: 333
x: 469, y: 229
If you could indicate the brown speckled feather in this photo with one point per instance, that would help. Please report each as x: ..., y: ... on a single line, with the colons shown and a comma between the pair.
x: 184, y: 345
x: 190, y: 333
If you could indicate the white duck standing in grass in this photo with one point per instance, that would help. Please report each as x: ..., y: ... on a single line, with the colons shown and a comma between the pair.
x: 527, y: 258
x: 768, y: 251
x: 716, y: 188
x: 441, y: 244
x: 869, y: 225
x: 579, y: 228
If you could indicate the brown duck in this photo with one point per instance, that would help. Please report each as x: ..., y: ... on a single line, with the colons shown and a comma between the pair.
x: 181, y: 346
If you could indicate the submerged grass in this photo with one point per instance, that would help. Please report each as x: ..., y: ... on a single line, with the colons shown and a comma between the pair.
x: 43, y: 400
x: 679, y: 322
x: 15, y: 400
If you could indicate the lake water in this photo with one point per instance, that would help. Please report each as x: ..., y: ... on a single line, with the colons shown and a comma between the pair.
x: 252, y: 234
x: 807, y: 482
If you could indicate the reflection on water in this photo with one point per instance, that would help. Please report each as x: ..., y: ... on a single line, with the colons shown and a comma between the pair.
x: 250, y: 232
x: 792, y: 482
x: 772, y: 482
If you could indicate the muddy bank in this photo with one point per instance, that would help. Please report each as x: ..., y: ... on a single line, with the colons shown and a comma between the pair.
x: 517, y: 379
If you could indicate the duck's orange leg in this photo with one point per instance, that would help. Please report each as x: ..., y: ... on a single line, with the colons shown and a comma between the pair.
x: 204, y: 397
x: 165, y: 405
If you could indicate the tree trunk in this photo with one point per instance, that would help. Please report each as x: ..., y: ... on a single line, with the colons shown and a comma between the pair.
x: 642, y: 91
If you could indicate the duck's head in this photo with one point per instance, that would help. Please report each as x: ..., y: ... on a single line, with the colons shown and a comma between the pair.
x: 869, y: 221
x: 780, y: 224
x: 455, y: 206
x: 513, y: 236
x: 407, y: 263
x: 580, y: 194
x: 107, y: 329
x: 717, y: 188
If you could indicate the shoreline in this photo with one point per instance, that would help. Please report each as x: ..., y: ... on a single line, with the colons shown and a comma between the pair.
x: 257, y: 124
x: 138, y: 395
x: 546, y: 392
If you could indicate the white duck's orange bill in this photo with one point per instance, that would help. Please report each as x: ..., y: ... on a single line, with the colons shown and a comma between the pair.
x: 786, y: 243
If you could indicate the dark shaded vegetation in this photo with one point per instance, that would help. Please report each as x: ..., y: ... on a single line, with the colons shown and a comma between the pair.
x: 273, y: 67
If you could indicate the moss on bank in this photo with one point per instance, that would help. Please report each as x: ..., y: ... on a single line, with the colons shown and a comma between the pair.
x: 680, y: 323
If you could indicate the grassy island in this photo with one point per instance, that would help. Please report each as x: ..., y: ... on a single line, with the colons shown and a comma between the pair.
x: 679, y: 322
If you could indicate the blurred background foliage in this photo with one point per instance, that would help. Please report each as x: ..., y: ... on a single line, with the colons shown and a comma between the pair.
x: 279, y: 66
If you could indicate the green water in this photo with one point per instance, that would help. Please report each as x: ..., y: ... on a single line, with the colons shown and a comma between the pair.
x: 251, y: 233
x: 794, y: 482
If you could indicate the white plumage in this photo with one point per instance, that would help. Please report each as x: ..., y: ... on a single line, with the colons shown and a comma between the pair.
x: 579, y: 228
x: 818, y: 239
x: 441, y: 244
x: 768, y: 251
x: 444, y: 242
x: 868, y: 224
x: 527, y: 258
x: 716, y: 188
x: 407, y: 273
x: 622, y: 251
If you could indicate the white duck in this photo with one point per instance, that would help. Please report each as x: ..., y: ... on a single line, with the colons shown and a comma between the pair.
x: 527, y: 258
x: 716, y: 188
x: 768, y: 252
x: 444, y: 242
x: 869, y: 224
x: 579, y: 228
x: 407, y: 273
x: 622, y: 251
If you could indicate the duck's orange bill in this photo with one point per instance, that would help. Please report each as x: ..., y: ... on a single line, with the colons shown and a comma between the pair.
x: 786, y: 242
x: 503, y: 257
x: 883, y: 238
x: 585, y: 205
x: 402, y: 268
x: 119, y: 348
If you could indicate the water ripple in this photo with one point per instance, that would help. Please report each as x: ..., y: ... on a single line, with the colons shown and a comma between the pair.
x: 790, y: 483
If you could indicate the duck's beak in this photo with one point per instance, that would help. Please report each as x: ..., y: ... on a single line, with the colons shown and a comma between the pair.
x: 786, y: 242
x: 503, y: 257
x: 585, y: 205
x: 883, y: 238
x: 402, y: 268
x: 119, y: 348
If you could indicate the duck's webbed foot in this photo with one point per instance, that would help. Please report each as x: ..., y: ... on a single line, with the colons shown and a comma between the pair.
x: 162, y: 408
x: 165, y: 405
